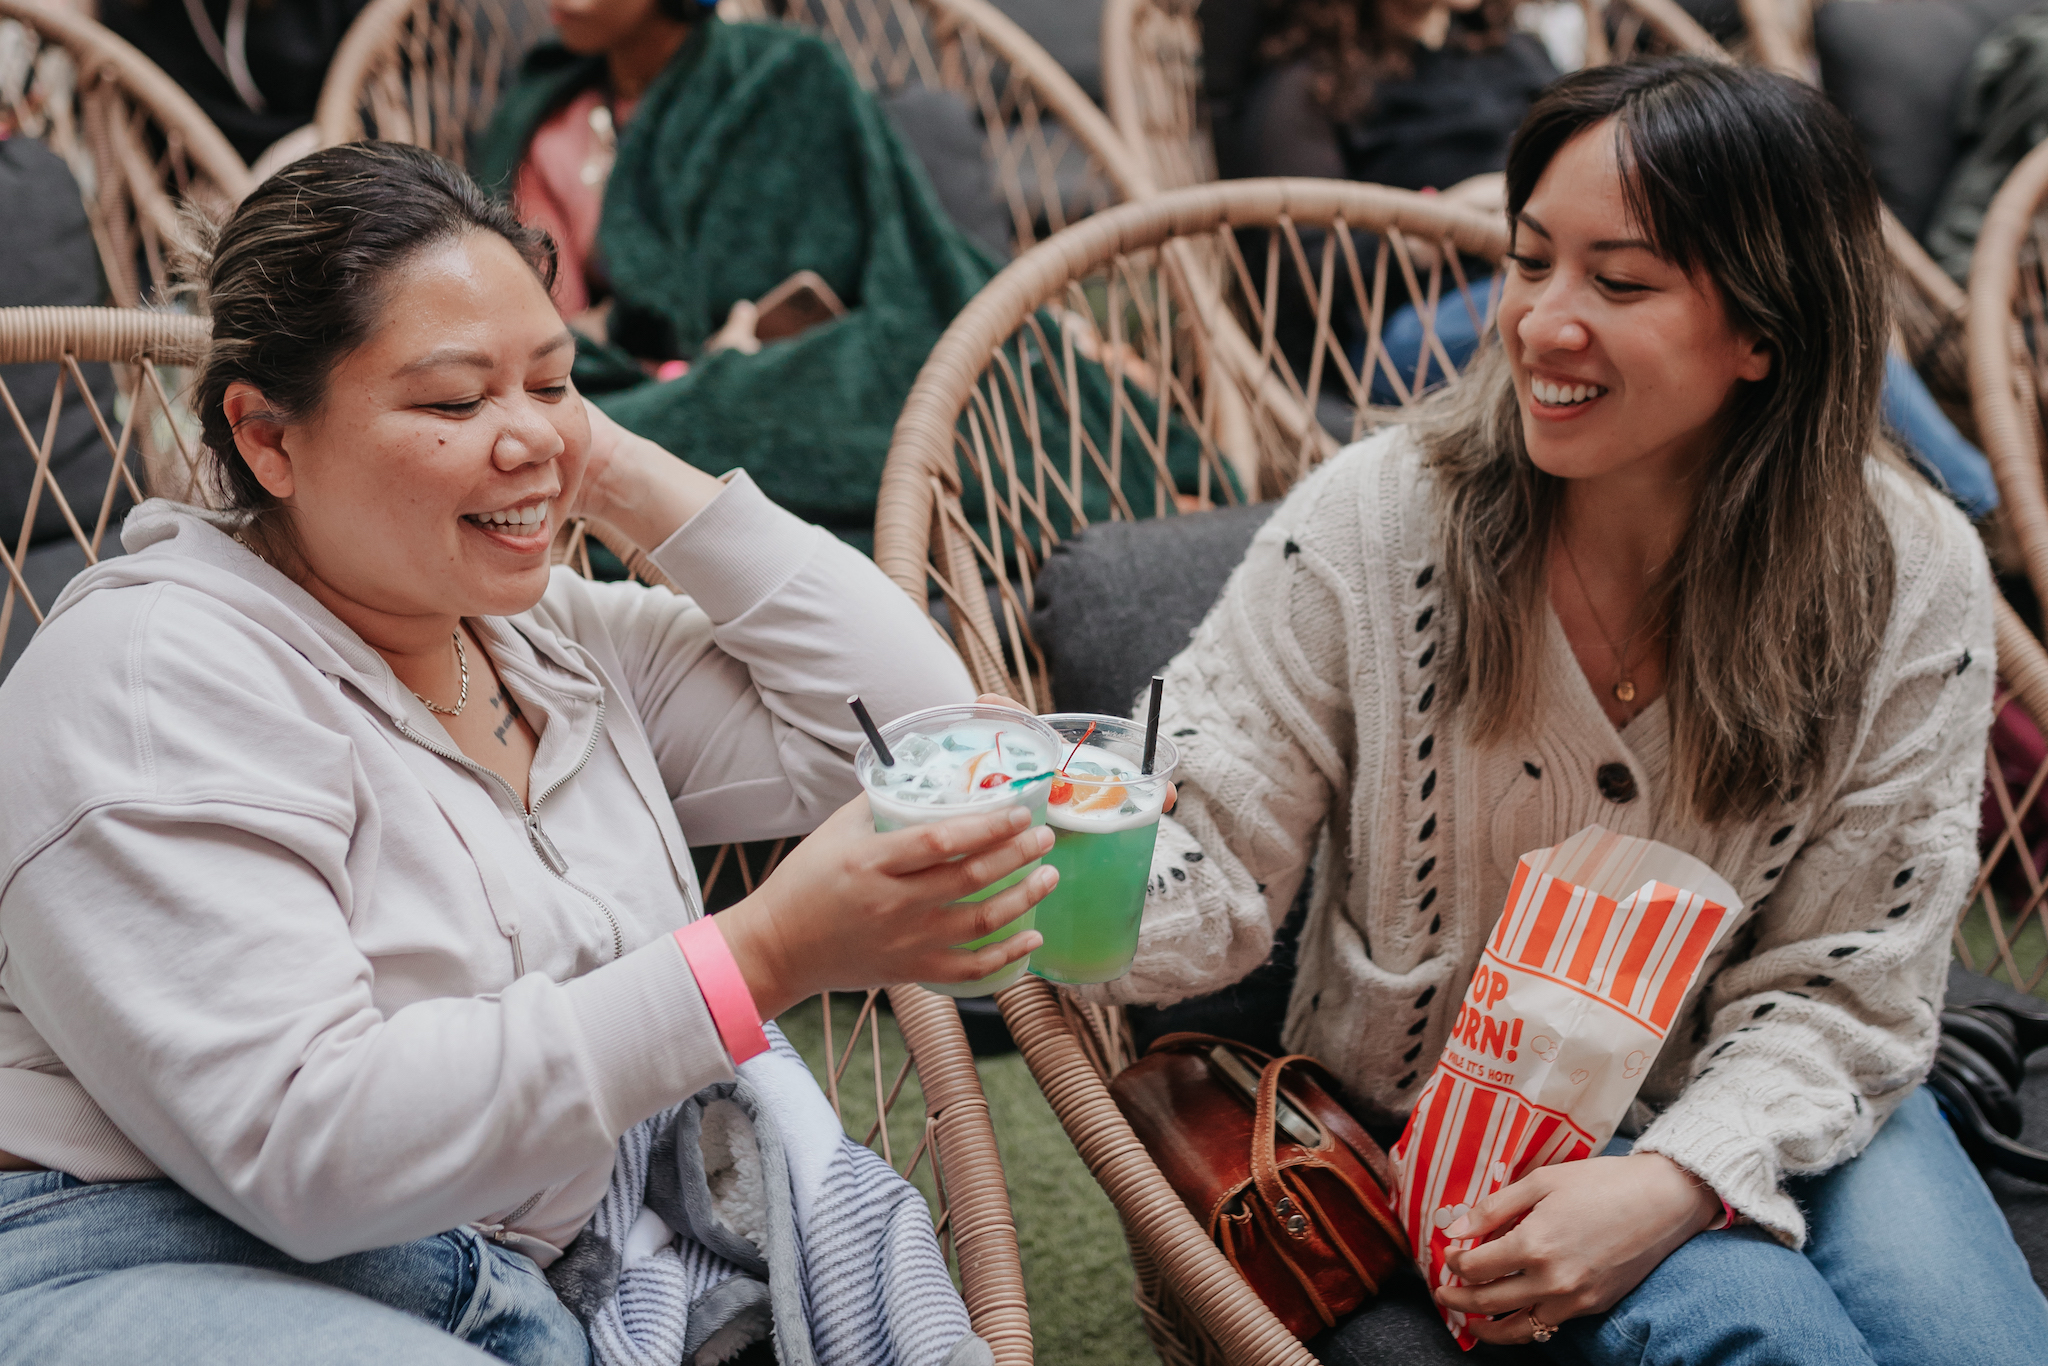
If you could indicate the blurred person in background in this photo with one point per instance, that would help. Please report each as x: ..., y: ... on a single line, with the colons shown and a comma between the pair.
x: 254, y: 67
x: 691, y: 172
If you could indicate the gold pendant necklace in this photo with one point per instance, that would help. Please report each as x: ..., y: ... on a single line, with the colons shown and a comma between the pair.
x: 1624, y: 685
x: 462, y: 663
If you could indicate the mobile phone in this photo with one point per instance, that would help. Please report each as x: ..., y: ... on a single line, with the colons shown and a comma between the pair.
x: 796, y: 305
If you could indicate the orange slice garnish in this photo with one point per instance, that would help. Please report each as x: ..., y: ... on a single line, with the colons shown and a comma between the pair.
x: 1098, y: 796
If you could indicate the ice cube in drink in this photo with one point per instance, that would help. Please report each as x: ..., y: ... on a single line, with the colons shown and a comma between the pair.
x: 963, y: 760
x: 1105, y: 817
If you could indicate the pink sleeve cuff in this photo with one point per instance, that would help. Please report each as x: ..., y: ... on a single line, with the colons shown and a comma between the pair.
x: 725, y: 990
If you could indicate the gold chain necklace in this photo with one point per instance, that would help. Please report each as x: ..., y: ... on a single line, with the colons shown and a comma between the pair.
x: 1624, y: 684
x: 462, y: 663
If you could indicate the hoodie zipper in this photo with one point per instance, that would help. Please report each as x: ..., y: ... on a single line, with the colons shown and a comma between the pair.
x: 543, y: 847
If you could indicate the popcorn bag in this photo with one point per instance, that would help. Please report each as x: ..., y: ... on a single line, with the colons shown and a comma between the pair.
x: 1600, y: 940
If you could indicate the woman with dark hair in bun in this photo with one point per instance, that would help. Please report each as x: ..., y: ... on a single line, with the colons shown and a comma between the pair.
x: 347, y: 917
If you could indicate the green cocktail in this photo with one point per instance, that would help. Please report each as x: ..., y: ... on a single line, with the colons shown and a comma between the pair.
x: 957, y: 761
x: 1105, y: 817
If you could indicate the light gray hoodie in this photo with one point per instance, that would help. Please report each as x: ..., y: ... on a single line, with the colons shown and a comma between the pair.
x: 264, y: 930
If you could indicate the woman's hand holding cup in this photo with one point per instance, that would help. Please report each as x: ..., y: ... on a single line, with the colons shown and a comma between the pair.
x: 849, y: 909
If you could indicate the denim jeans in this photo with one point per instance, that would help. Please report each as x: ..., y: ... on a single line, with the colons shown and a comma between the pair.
x: 1908, y: 1262
x: 141, y: 1271
x: 1930, y: 440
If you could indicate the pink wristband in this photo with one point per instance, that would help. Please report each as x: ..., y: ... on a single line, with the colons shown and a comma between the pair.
x: 725, y: 990
x: 1727, y: 1219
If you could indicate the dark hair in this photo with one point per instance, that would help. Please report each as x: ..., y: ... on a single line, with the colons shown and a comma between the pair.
x: 1350, y: 47
x: 1776, y: 598
x: 297, y: 278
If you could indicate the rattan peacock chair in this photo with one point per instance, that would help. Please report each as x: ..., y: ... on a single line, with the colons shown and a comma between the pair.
x: 136, y: 143
x: 988, y: 472
x: 914, y: 1094
x: 430, y: 72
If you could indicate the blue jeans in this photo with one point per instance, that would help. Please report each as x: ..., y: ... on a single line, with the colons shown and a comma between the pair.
x: 1908, y: 1262
x: 1930, y: 440
x: 141, y: 1271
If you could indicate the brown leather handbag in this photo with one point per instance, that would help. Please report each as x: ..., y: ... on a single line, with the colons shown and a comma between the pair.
x: 1294, y: 1191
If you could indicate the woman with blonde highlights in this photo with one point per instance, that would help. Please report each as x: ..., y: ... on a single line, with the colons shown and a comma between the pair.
x: 1650, y: 566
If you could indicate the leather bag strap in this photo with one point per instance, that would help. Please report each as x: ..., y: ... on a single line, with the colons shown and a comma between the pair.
x: 1265, y: 1123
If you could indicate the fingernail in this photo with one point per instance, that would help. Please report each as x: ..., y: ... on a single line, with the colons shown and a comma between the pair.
x: 1045, y: 838
x: 1460, y: 1229
x: 1048, y: 878
x: 1031, y: 939
x: 1019, y: 818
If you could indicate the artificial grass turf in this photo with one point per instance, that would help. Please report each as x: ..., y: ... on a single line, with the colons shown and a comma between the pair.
x: 1077, y: 1272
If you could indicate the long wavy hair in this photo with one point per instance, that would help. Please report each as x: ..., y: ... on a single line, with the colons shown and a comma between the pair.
x: 1350, y: 47
x: 1776, y: 598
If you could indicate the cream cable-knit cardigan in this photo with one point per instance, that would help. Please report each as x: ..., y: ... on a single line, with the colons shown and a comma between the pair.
x: 1308, y: 710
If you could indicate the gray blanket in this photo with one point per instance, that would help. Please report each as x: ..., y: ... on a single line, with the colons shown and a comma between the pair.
x: 747, y: 1213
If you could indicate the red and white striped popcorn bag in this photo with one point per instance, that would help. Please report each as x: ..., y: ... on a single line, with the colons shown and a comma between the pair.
x: 1600, y: 940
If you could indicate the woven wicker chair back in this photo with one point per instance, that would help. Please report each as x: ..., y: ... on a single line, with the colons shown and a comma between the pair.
x: 902, y: 1079
x: 136, y: 144
x: 430, y: 72
x: 147, y: 439
x: 1006, y: 444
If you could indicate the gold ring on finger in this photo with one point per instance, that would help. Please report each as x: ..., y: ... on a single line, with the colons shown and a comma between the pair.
x: 1544, y: 1331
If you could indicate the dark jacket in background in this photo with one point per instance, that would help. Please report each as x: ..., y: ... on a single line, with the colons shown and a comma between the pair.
x: 2001, y: 115
x: 290, y: 43
x: 1450, y: 119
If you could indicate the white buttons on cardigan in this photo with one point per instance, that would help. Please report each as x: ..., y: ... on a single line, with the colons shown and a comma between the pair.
x: 1616, y: 783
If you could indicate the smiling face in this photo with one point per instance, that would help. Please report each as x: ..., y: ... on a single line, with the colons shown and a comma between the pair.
x: 432, y: 477
x: 1623, y: 363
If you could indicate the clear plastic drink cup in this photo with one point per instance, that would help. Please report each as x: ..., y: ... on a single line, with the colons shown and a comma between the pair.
x: 960, y: 761
x: 1105, y: 817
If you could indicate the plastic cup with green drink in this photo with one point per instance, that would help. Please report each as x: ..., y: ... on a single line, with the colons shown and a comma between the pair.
x: 962, y: 761
x: 1104, y: 809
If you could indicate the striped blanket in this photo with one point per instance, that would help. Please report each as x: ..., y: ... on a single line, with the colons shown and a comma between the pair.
x: 746, y: 1213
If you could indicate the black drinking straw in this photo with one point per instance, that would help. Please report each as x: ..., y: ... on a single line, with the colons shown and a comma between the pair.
x: 1152, y: 722
x: 867, y: 723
